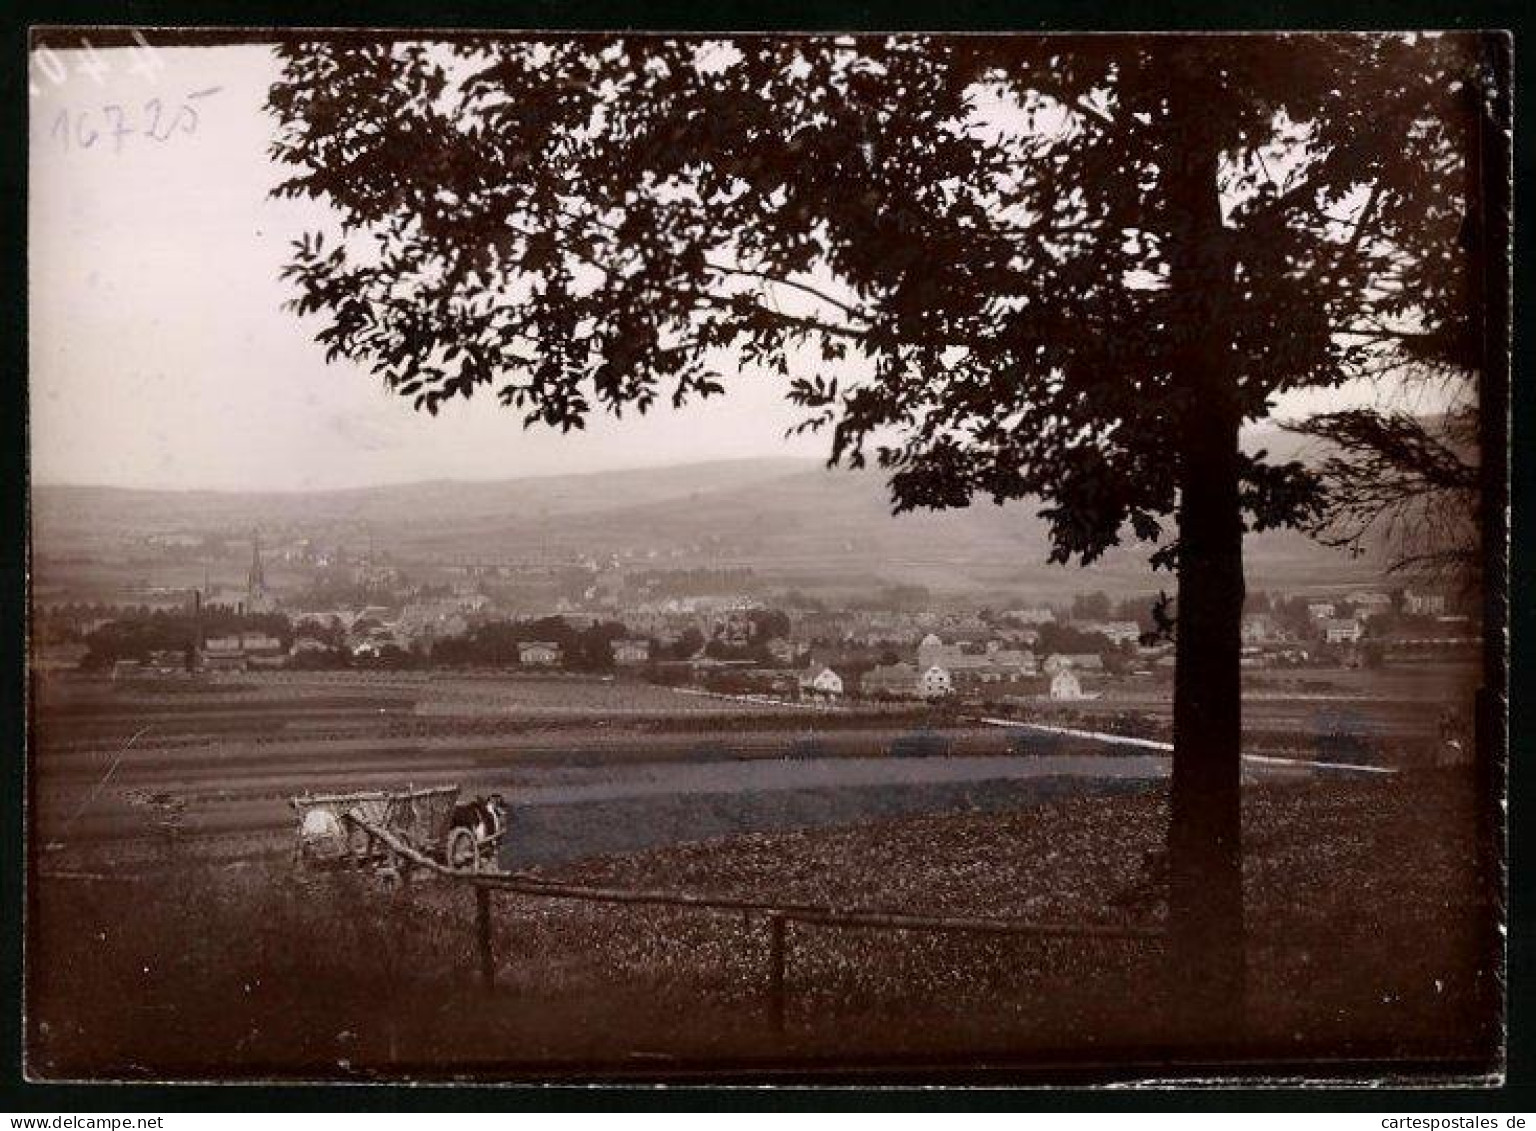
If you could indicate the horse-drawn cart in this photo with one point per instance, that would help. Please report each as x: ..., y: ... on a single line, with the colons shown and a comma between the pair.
x: 392, y: 832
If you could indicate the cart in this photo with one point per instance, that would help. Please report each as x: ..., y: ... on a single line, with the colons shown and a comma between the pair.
x: 389, y: 832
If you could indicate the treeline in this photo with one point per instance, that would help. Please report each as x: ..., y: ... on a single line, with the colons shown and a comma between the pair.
x: 138, y: 636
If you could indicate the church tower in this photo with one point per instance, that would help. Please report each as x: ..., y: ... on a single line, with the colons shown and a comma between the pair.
x: 256, y: 597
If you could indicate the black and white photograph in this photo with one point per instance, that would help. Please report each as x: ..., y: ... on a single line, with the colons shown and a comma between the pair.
x: 758, y: 557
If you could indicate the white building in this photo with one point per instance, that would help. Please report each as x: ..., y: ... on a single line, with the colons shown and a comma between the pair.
x: 822, y: 682
x: 1258, y: 629
x: 1423, y: 604
x: 1320, y: 610
x: 631, y: 651
x: 935, y: 683
x: 1117, y: 631
x: 538, y: 653
x: 1066, y: 685
x: 241, y: 651
x: 1347, y: 631
x: 223, y: 653
x: 1082, y: 661
x: 1040, y: 614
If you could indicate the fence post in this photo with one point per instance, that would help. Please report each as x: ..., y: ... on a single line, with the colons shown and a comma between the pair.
x: 483, y: 935
x: 776, y: 961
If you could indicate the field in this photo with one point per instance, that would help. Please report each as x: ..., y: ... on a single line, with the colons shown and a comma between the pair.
x: 194, y: 970
x: 229, y: 751
x: 178, y: 937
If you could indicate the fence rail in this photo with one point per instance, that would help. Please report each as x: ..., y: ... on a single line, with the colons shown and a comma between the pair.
x: 777, y: 915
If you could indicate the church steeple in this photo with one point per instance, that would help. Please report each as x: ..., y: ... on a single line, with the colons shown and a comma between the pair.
x: 255, y: 579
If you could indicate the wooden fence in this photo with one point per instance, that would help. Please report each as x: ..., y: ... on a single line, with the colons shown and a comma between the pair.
x: 777, y: 916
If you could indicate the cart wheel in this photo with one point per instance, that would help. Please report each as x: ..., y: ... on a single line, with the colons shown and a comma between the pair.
x: 463, y: 852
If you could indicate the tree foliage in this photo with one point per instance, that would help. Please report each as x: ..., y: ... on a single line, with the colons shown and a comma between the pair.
x: 1410, y: 481
x: 955, y: 251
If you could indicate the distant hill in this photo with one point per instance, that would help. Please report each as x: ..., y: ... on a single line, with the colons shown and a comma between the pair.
x: 790, y: 519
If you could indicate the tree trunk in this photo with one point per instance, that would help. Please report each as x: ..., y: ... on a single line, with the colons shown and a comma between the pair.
x: 1205, y: 833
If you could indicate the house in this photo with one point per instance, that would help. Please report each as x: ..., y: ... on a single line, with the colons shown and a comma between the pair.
x: 538, y: 653
x: 1066, y: 685
x: 996, y: 667
x: 1116, y: 631
x: 168, y: 660
x: 1258, y: 629
x: 1320, y: 610
x: 1369, y: 602
x: 935, y: 683
x: 376, y: 641
x: 897, y: 681
x: 821, y: 682
x: 1008, y: 663
x: 1025, y: 636
x: 1081, y: 661
x: 1423, y: 604
x: 262, y: 650
x: 932, y: 650
x: 1348, y: 631
x: 1039, y: 614
x: 632, y: 650
x: 993, y: 665
x: 224, y: 653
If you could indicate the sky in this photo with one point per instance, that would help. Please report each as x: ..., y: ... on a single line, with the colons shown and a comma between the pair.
x: 160, y: 354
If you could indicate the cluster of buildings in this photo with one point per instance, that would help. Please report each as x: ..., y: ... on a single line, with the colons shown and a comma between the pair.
x: 806, y: 647
x: 242, y: 651
x: 372, y: 630
x: 939, y: 669
x: 942, y: 669
x: 1343, y: 624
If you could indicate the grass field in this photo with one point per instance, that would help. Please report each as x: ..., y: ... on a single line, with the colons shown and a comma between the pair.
x: 197, y: 970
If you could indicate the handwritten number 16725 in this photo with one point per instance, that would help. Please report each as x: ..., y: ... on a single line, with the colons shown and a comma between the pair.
x: 112, y: 124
